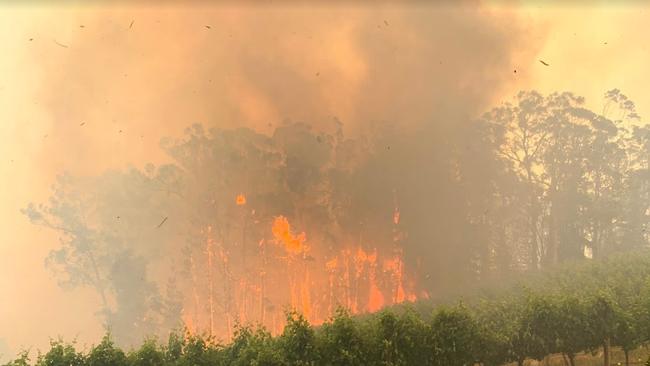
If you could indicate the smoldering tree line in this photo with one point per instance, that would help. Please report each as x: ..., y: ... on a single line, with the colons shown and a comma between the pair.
x: 531, y: 183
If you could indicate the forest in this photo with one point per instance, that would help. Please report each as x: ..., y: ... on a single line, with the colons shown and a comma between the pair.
x: 306, y: 224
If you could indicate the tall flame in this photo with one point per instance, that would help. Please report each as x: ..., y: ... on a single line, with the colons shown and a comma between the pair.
x: 294, y: 244
x: 258, y: 284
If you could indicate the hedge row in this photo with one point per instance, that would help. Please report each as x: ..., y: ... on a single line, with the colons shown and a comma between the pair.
x: 583, y: 307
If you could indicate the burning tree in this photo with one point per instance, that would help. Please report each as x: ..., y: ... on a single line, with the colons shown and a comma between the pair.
x: 249, y: 194
x: 244, y: 226
x: 252, y: 225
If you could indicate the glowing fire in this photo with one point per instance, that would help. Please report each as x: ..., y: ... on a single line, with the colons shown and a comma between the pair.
x: 241, y: 280
x: 240, y: 200
x: 294, y: 244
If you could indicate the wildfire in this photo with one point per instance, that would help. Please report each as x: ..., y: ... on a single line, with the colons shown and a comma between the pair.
x: 251, y: 281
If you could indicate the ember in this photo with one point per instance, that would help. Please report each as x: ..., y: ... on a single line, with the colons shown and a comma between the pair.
x: 240, y: 200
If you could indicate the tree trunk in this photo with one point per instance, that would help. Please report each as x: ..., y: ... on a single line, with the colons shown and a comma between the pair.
x: 572, y: 359
x: 99, y: 286
x: 565, y: 360
x: 553, y: 240
x: 532, y: 221
x: 606, y: 353
x: 520, y: 362
x: 627, y: 356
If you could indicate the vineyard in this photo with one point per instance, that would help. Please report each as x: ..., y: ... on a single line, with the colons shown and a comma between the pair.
x: 588, y: 313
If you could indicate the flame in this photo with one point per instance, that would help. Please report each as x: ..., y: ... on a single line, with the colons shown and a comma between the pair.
x: 294, y: 244
x: 360, y: 260
x: 305, y: 296
x: 376, y: 298
x: 188, y: 321
x: 395, y: 267
x: 240, y: 200
x: 332, y: 264
x: 240, y: 280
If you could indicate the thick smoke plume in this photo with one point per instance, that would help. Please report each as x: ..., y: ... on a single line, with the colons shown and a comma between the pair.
x: 152, y: 72
x: 333, y: 118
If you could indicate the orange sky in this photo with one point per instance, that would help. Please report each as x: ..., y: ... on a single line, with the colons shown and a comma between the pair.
x: 147, y: 90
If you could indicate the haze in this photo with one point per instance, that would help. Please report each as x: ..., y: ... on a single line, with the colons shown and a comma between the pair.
x: 86, y: 89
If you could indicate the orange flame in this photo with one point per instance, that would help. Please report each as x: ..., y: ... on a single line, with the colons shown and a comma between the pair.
x: 240, y: 200
x: 376, y: 300
x: 259, y: 286
x: 293, y: 244
x: 375, y: 297
x: 189, y: 322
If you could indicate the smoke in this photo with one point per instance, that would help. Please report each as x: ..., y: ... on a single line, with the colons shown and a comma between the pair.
x: 112, y: 82
x: 150, y: 72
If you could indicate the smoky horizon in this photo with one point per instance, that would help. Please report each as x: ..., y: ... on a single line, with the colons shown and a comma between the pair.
x: 210, y: 165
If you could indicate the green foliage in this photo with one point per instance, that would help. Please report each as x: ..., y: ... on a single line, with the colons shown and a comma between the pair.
x: 577, y: 308
x: 498, y: 322
x: 61, y: 354
x: 106, y: 354
x: 341, y: 341
x: 253, y: 347
x: 298, y: 341
x: 21, y: 360
x: 572, y: 319
x: 403, y: 339
x: 455, y: 337
x: 195, y: 350
x: 149, y: 354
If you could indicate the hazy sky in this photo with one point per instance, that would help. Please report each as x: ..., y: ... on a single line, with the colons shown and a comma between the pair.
x: 134, y: 75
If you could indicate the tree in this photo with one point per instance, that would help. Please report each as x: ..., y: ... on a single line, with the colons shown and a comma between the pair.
x: 535, y: 335
x: 22, y: 360
x: 572, y: 165
x: 253, y: 347
x: 504, y: 336
x: 149, y: 354
x: 571, y: 321
x: 455, y: 337
x: 106, y: 354
x: 61, y: 354
x: 108, y: 237
x: 403, y: 339
x: 298, y: 341
x: 340, y: 341
x: 522, y: 135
